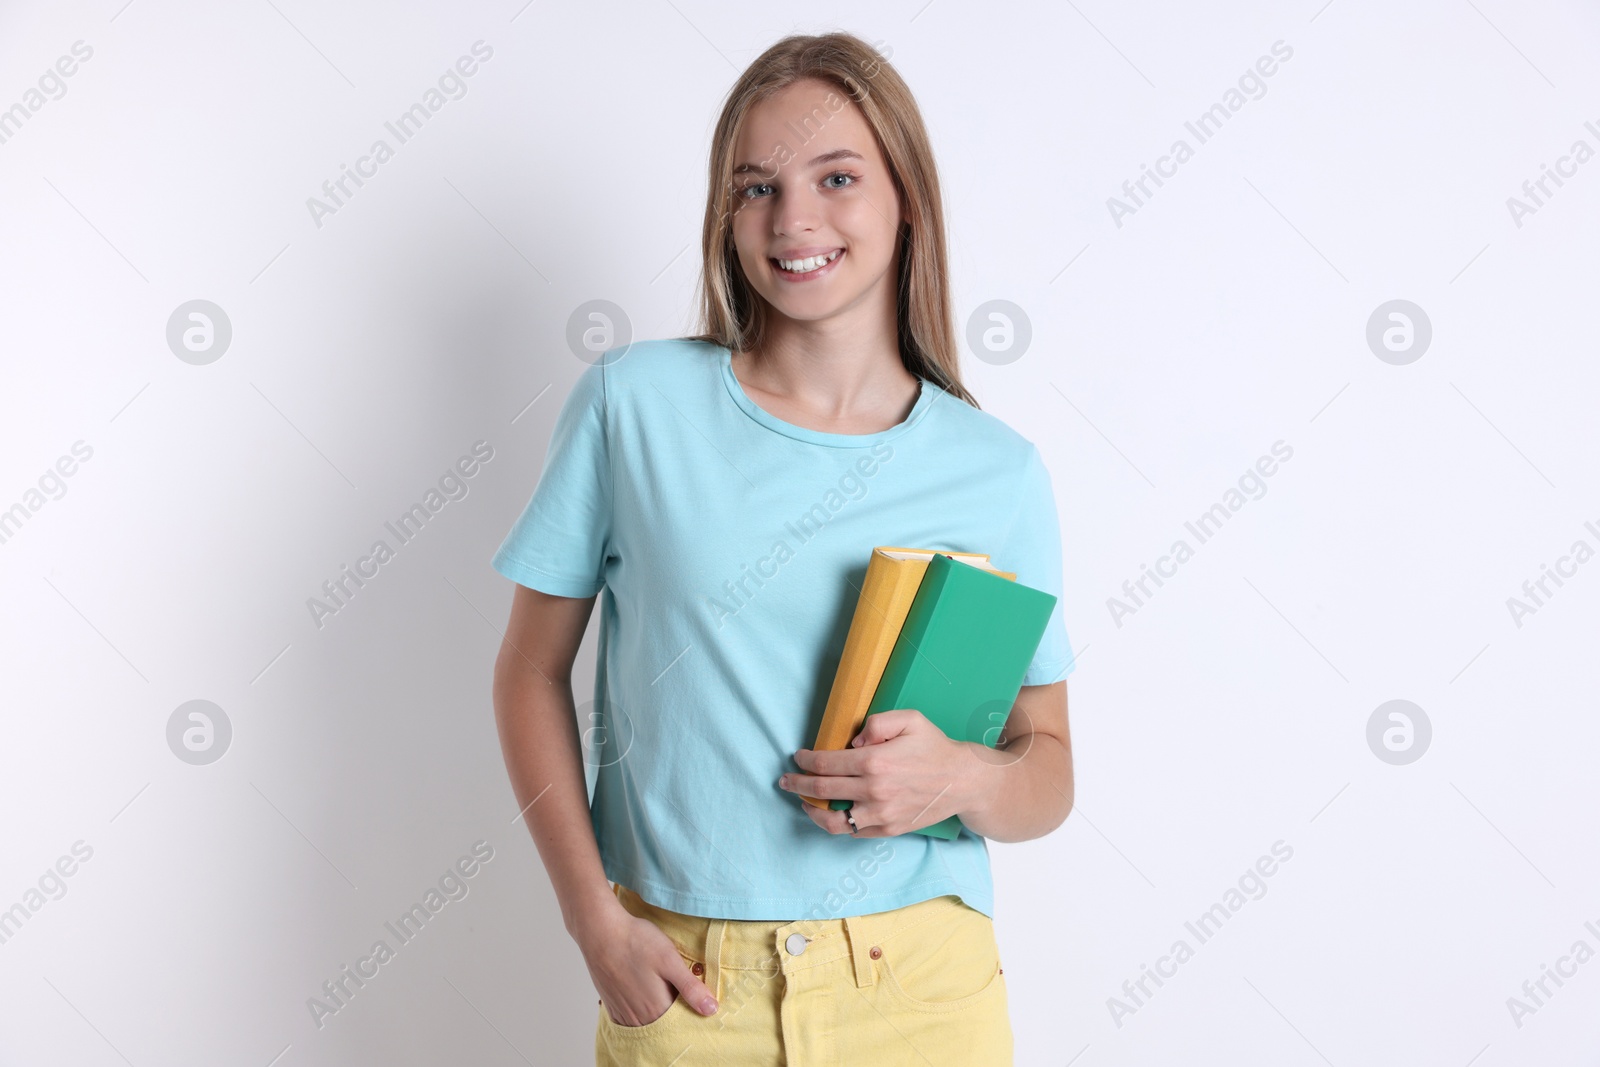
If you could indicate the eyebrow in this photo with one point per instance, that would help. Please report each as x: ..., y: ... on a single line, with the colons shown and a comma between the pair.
x: 826, y: 157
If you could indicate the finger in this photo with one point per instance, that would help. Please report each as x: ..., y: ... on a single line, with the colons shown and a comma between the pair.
x: 835, y: 822
x: 672, y: 969
x: 823, y: 786
x: 864, y: 826
x: 883, y: 725
x: 694, y: 992
x: 834, y: 762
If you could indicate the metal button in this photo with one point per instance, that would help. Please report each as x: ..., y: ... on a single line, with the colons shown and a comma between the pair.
x: 876, y: 952
x: 796, y: 944
x: 698, y: 969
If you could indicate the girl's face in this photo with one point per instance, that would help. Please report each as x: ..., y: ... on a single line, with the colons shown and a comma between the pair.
x: 816, y: 219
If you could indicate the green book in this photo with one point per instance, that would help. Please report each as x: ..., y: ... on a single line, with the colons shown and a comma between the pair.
x: 961, y: 655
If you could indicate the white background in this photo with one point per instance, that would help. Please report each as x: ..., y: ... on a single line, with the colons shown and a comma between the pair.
x: 1229, y: 312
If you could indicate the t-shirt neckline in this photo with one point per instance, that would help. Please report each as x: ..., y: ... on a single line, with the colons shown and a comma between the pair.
x: 926, y: 393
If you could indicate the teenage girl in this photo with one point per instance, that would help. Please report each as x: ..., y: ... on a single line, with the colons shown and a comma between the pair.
x: 720, y: 495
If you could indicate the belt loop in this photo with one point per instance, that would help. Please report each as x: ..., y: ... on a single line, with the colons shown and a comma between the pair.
x: 860, y: 929
x: 713, y: 953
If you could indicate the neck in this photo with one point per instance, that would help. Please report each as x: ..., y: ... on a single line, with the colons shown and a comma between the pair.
x: 846, y: 364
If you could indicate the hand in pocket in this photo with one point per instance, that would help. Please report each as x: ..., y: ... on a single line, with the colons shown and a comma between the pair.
x: 638, y: 971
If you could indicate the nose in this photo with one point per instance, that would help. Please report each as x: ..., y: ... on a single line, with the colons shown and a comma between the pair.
x: 797, y: 213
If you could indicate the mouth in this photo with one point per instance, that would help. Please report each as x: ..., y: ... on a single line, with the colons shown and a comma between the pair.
x: 808, y: 267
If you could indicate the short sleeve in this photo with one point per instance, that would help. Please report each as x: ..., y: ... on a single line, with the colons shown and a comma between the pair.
x: 1032, y: 549
x: 559, y: 543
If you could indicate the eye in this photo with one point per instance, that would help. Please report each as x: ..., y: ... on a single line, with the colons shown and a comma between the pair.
x: 849, y: 179
x: 748, y: 192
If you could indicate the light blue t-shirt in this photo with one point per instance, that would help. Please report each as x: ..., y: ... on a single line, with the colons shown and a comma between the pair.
x: 729, y: 546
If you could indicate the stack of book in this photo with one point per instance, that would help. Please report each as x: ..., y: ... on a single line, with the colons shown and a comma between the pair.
x: 946, y: 633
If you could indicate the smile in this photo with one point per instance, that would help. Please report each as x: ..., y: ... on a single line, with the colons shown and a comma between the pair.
x: 808, y: 267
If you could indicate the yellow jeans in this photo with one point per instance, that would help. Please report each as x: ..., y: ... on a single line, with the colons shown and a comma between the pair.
x: 918, y: 985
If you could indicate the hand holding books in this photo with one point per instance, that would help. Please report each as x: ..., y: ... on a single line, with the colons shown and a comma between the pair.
x: 900, y: 773
x: 945, y: 633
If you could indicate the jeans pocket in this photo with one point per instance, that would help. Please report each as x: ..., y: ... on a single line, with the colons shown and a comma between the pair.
x: 660, y: 1021
x: 946, y: 964
x: 605, y: 1015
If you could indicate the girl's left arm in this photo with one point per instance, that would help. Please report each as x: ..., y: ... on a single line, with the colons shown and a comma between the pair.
x: 902, y: 772
x: 1022, y: 788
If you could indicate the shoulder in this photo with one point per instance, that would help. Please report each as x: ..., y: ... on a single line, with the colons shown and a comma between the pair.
x: 638, y: 375
x: 986, y: 434
x: 657, y: 361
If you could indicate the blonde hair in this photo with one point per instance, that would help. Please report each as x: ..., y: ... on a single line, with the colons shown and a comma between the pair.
x: 732, y: 313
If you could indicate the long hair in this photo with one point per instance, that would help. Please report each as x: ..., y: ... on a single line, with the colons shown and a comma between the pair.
x: 732, y: 313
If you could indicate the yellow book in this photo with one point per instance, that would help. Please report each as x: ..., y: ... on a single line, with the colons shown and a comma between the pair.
x: 893, y: 575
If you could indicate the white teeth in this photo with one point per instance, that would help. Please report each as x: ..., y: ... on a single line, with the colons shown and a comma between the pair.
x: 809, y: 264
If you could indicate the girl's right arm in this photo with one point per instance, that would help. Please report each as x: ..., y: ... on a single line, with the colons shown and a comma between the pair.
x: 635, y: 967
